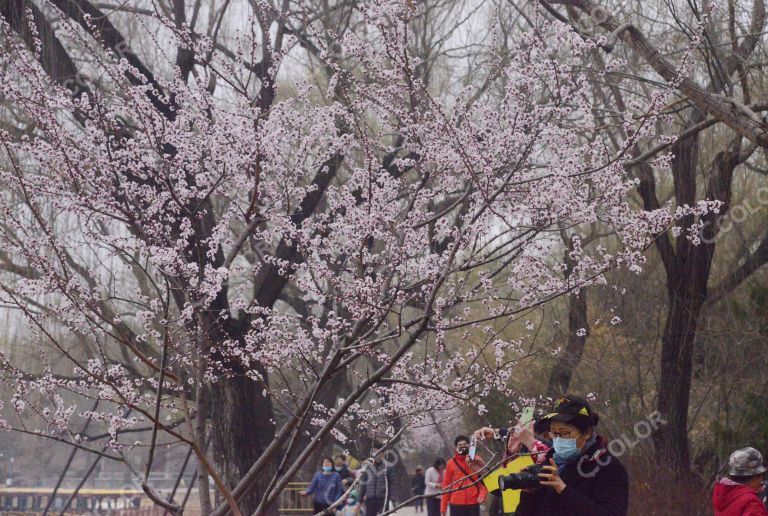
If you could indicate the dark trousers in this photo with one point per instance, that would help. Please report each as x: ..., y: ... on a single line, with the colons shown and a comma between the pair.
x: 319, y: 507
x: 465, y: 510
x: 433, y: 506
x: 373, y: 506
x: 418, y: 504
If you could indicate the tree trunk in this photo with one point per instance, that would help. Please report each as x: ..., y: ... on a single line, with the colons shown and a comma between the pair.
x: 561, y: 375
x: 337, y: 387
x: 242, y: 428
x: 687, y: 278
x: 685, y: 269
x: 578, y: 326
x: 401, y: 479
x: 675, y: 386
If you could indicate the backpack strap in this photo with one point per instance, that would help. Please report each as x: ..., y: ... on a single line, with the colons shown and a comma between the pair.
x: 467, y: 475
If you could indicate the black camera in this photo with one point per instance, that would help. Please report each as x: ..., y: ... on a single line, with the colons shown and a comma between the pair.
x: 527, y: 478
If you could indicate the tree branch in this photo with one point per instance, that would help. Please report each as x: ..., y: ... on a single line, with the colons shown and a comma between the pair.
x: 729, y: 111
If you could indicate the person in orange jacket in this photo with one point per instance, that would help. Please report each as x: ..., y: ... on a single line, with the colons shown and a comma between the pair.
x: 463, y: 491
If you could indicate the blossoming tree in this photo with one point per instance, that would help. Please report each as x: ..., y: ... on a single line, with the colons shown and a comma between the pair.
x: 229, y: 250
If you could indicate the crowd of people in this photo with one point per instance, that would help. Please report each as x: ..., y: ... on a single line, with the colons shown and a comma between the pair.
x: 338, y: 489
x: 576, y: 475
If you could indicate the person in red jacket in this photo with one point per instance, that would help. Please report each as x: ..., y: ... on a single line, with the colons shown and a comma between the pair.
x: 463, y: 491
x: 736, y: 494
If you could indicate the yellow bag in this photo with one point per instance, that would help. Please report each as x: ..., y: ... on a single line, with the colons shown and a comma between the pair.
x: 511, y: 497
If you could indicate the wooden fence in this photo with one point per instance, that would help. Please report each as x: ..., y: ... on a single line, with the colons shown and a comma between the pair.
x: 31, y: 501
x: 291, y: 502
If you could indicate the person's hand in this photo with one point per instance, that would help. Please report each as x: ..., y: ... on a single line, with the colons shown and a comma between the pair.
x: 484, y: 433
x: 513, y: 445
x: 475, y: 465
x: 524, y: 434
x: 303, y: 493
x: 552, y: 478
x: 520, y: 435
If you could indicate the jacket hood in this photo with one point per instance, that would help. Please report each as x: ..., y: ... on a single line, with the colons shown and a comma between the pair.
x: 727, y: 492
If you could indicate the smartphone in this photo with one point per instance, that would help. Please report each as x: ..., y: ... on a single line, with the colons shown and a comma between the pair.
x: 526, y: 416
x: 472, y: 447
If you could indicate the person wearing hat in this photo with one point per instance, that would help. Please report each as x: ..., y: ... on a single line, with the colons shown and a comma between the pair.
x: 580, y: 476
x: 736, y: 494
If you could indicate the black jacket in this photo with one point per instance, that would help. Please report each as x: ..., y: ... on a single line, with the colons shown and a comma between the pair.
x: 596, y: 485
x: 418, y: 484
x: 345, y: 473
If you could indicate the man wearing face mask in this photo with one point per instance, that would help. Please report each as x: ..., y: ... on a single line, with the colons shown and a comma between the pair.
x: 581, y: 477
x: 376, y: 484
x: 463, y: 491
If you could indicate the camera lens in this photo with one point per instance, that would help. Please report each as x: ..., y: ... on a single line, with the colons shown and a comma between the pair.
x: 525, y: 479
